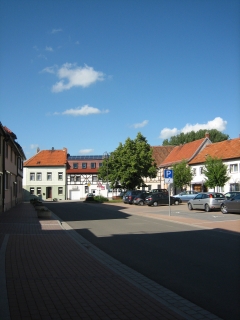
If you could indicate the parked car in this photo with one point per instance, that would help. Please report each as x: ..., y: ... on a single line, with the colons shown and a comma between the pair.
x: 159, y: 190
x: 230, y: 194
x: 89, y: 197
x: 140, y: 198
x: 206, y: 201
x: 130, y: 195
x: 231, y: 205
x: 122, y: 194
x: 155, y: 199
x: 186, y: 195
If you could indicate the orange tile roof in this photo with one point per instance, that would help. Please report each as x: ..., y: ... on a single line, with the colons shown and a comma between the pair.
x: 184, y: 152
x: 47, y: 158
x: 160, y: 153
x: 227, y: 149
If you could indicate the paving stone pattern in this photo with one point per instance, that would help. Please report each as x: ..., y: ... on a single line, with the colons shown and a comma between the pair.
x: 47, y: 274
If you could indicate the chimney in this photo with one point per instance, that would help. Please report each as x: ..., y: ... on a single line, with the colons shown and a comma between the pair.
x: 207, y: 135
x: 38, y: 149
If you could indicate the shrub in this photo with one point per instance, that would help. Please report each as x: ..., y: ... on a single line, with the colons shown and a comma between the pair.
x: 100, y: 199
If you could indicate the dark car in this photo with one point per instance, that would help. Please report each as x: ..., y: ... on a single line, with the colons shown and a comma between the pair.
x: 159, y: 190
x: 140, y: 198
x: 130, y: 195
x: 231, y: 194
x: 155, y: 199
x: 231, y: 205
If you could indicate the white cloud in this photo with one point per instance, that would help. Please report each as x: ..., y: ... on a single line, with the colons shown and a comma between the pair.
x: 167, y: 133
x: 85, y: 151
x: 49, y: 49
x: 140, y: 125
x: 56, y: 30
x: 72, y: 76
x: 49, y: 70
x: 217, y: 123
x: 83, y: 111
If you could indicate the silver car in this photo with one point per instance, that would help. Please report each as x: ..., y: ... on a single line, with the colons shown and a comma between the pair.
x: 206, y: 201
x: 231, y: 205
x: 186, y: 195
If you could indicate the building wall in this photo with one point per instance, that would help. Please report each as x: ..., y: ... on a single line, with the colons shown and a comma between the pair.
x: 39, y: 188
x: 232, y: 185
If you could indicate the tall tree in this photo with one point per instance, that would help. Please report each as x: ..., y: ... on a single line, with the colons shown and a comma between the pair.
x: 216, y: 172
x: 129, y: 164
x: 182, y: 174
x: 214, y: 136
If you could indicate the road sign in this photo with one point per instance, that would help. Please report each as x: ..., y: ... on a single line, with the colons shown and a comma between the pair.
x: 168, y: 175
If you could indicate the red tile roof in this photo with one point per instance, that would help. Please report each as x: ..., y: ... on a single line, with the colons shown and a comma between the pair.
x: 47, y: 158
x: 227, y: 149
x: 184, y: 152
x: 160, y: 153
x: 82, y: 171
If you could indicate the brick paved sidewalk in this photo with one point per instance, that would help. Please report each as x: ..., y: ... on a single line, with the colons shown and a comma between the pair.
x: 45, y: 274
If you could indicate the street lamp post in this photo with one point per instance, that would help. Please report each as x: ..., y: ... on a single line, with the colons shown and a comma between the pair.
x: 106, y: 155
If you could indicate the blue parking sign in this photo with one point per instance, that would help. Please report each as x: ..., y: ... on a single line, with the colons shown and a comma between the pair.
x: 168, y: 174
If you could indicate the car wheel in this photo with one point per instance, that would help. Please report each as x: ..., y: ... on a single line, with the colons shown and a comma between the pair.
x: 155, y: 203
x: 224, y: 209
x: 189, y: 206
x: 176, y: 202
x: 207, y: 208
x: 141, y: 203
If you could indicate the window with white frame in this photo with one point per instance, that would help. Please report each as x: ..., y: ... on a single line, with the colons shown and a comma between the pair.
x: 94, y: 178
x: 100, y: 164
x: 194, y: 171
x: 93, y: 165
x: 84, y: 165
x: 78, y: 179
x: 201, y: 170
x: 72, y: 178
x: 49, y: 176
x: 233, y: 168
x: 75, y: 165
x: 31, y: 190
x: 39, y: 176
x: 234, y: 186
x: 32, y: 176
x: 60, y: 175
x: 39, y: 191
x: 60, y: 190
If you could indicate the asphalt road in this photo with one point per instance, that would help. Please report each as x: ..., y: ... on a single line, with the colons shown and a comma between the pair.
x: 200, y: 265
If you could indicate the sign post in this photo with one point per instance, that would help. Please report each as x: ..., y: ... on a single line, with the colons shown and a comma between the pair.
x: 168, y: 175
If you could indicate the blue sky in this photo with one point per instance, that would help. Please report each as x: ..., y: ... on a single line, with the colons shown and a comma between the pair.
x: 88, y: 74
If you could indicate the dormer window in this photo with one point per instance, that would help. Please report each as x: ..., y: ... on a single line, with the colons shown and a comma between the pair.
x: 75, y: 165
x: 84, y: 165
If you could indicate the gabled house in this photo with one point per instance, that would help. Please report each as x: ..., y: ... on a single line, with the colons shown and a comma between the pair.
x: 229, y: 152
x: 11, y: 169
x: 186, y: 152
x: 45, y: 175
x: 82, y: 177
x: 159, y: 155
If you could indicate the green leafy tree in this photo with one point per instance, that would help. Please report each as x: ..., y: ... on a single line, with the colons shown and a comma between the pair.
x: 216, y: 172
x: 129, y: 164
x: 214, y: 136
x: 182, y: 174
